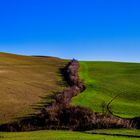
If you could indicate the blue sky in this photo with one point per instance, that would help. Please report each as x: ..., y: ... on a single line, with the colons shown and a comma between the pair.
x: 81, y: 29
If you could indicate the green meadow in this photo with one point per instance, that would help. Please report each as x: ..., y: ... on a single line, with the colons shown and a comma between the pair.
x: 59, y: 135
x: 107, y: 80
x: 27, y: 81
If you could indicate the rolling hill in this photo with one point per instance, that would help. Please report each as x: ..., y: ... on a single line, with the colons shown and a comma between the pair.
x: 107, y: 80
x: 25, y: 81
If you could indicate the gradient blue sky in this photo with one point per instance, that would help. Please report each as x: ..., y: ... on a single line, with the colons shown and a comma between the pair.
x: 81, y: 29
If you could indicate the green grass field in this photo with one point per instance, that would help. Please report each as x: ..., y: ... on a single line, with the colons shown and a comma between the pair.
x: 105, y: 80
x: 59, y: 135
x: 24, y: 80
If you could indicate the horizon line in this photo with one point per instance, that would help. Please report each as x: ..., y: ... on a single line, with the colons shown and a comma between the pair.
x: 87, y: 60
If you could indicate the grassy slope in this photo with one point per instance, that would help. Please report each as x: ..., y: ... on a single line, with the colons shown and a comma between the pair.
x: 105, y: 80
x: 24, y: 80
x: 58, y: 135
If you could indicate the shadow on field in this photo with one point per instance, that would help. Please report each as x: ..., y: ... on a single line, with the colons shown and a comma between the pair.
x: 108, y: 134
